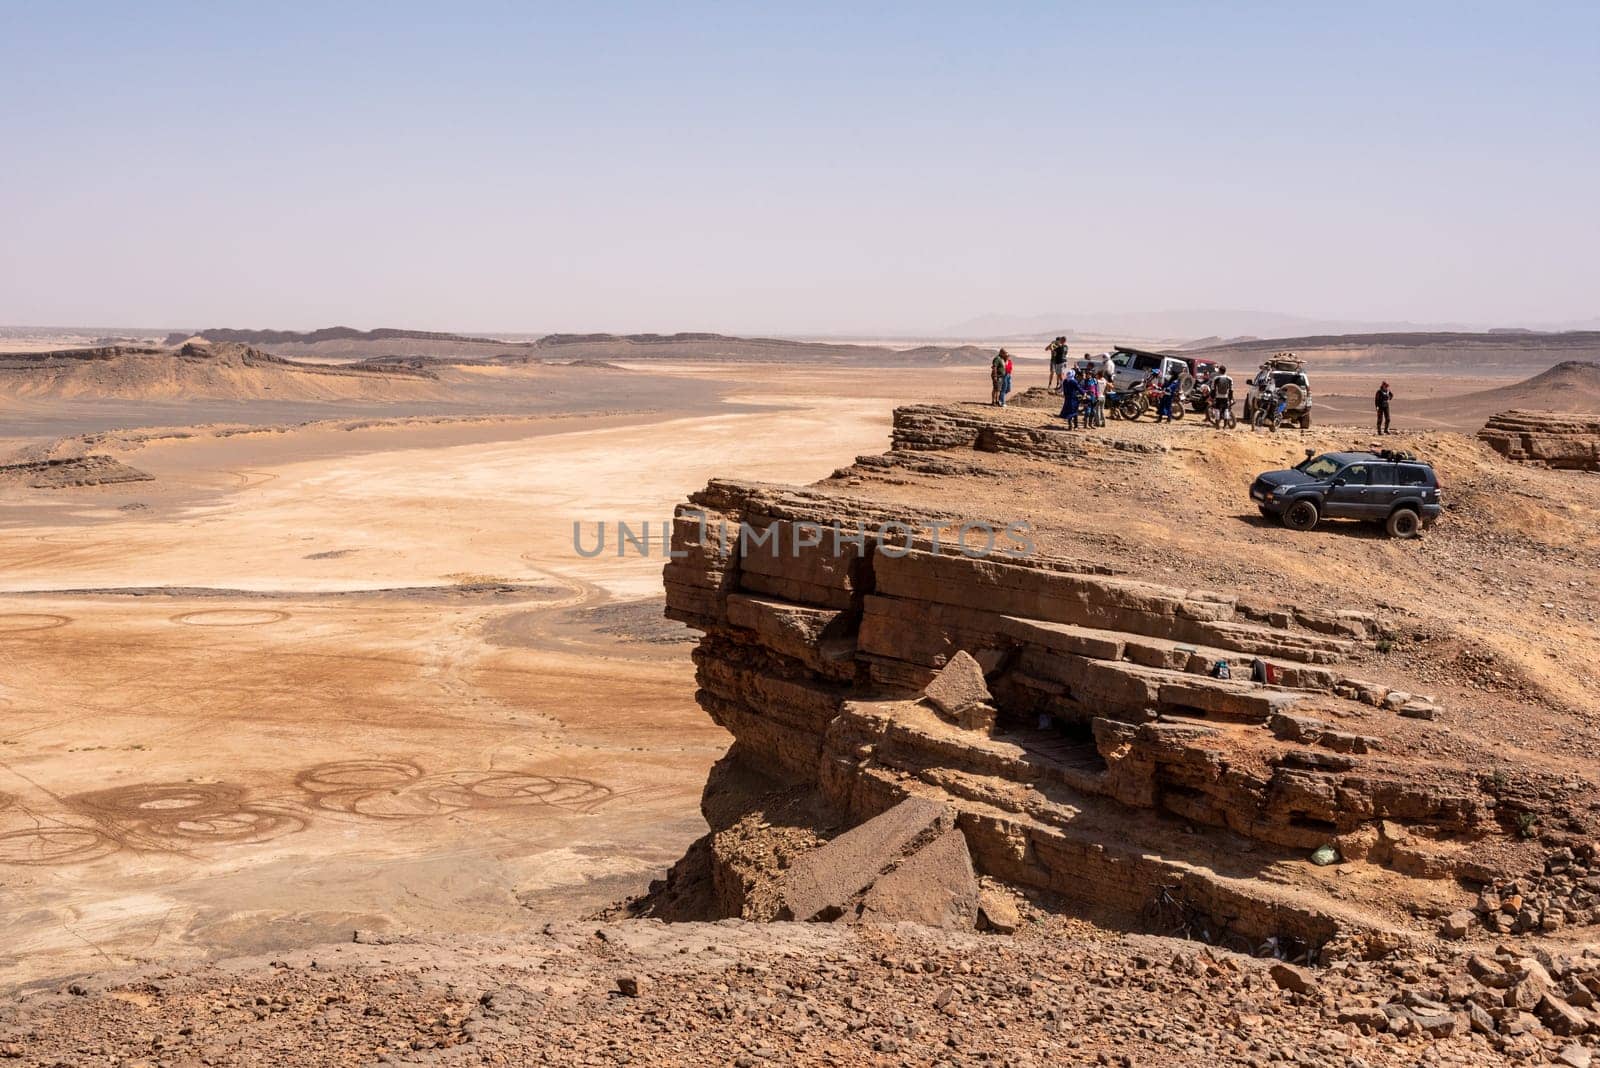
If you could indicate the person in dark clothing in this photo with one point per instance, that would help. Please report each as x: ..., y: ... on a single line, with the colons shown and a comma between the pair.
x: 1382, y: 399
x: 1070, y: 388
x: 1058, y: 361
x: 1169, y: 397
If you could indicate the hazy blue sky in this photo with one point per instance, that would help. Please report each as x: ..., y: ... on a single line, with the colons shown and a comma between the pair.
x: 689, y: 165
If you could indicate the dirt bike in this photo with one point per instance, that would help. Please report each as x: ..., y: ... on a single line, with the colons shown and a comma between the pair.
x: 1270, y: 413
x: 1126, y: 404
x: 1153, y: 393
x: 1219, y: 413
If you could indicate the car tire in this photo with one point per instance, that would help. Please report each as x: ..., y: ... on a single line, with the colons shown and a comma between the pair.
x: 1305, y: 420
x: 1301, y: 515
x: 1403, y: 523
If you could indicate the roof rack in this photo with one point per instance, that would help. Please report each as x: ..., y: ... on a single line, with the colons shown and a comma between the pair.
x: 1285, y: 361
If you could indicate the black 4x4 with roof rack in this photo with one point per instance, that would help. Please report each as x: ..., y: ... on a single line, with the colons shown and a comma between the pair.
x: 1389, y: 487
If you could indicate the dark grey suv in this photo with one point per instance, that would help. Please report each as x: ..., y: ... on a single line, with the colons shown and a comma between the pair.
x: 1392, y: 488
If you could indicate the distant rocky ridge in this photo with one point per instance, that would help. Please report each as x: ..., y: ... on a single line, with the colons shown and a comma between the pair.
x: 197, y: 352
x: 1435, y: 351
x: 388, y: 347
x: 331, y: 333
x: 227, y: 371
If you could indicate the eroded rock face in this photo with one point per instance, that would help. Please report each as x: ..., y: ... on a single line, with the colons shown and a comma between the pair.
x: 1120, y: 767
x: 1555, y: 439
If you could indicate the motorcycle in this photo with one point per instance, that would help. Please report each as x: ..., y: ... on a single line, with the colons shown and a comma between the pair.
x: 1270, y: 407
x: 1219, y: 412
x: 1154, y: 391
x: 1126, y: 404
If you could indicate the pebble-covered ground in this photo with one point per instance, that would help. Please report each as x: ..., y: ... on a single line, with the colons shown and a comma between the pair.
x: 732, y: 993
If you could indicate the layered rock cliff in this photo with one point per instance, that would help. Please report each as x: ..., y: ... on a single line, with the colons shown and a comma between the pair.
x: 1118, y: 773
x: 1555, y: 439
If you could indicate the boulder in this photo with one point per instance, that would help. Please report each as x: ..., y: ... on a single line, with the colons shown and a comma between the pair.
x: 935, y: 887
x: 825, y: 881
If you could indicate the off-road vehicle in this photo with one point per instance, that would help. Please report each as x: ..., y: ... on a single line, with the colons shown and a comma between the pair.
x: 1285, y: 374
x: 1134, y: 366
x: 1389, y: 487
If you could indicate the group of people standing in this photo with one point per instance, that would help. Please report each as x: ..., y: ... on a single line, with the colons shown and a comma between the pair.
x: 1086, y: 389
x: 1083, y: 394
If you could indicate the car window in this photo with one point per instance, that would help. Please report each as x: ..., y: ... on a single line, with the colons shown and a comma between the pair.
x: 1383, y: 474
x: 1321, y: 467
x: 1120, y: 359
x: 1412, y: 476
x: 1357, y: 475
x: 1283, y: 378
x: 1146, y: 363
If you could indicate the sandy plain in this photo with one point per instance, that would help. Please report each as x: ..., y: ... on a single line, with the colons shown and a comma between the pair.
x: 316, y: 679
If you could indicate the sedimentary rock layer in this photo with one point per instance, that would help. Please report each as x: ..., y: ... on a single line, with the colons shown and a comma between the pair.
x: 1148, y: 743
x: 1554, y: 439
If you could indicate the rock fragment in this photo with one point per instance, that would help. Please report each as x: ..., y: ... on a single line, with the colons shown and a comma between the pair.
x: 823, y: 882
x: 960, y: 692
x: 935, y: 887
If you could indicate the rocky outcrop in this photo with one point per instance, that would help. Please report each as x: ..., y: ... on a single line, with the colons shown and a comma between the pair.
x: 94, y: 470
x: 1138, y: 743
x: 923, y: 427
x: 1568, y: 441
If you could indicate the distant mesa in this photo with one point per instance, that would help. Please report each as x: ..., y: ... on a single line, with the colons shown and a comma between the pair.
x: 201, y: 371
x: 331, y: 333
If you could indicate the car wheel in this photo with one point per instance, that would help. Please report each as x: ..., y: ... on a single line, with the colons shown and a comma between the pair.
x: 1301, y: 515
x: 1403, y: 523
x: 1305, y: 420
